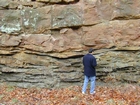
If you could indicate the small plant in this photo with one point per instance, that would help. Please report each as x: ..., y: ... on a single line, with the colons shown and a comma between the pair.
x: 14, y: 100
x: 10, y: 88
x: 1, y: 96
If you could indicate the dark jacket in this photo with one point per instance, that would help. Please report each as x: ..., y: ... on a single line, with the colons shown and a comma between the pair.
x: 89, y: 62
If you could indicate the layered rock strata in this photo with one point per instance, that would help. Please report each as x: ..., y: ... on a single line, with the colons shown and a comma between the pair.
x: 42, y: 42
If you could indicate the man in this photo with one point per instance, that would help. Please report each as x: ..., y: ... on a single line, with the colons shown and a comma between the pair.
x: 89, y: 62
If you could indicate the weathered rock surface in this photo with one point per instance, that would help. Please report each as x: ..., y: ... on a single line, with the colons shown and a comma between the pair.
x: 42, y: 42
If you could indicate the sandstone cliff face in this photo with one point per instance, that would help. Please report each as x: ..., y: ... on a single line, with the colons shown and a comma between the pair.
x: 42, y: 42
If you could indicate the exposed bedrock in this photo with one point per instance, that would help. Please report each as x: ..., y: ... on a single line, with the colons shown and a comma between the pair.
x: 42, y: 42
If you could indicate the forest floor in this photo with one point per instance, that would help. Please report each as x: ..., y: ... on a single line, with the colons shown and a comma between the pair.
x: 127, y: 94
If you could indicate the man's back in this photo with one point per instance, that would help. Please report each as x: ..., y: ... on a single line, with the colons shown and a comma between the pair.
x: 89, y: 63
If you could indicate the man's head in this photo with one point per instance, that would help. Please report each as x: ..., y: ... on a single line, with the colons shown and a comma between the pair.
x: 90, y: 50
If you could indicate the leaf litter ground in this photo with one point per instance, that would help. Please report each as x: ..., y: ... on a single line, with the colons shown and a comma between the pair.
x: 121, y: 95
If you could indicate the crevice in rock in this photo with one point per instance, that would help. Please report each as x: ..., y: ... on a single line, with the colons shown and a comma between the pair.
x: 66, y: 3
x: 125, y: 18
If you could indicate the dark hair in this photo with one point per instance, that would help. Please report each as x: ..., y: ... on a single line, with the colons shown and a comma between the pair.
x: 90, y: 50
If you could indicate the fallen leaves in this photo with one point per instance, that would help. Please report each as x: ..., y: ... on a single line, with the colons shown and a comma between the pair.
x: 120, y: 95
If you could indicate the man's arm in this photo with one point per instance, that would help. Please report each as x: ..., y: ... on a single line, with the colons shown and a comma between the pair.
x: 94, y: 63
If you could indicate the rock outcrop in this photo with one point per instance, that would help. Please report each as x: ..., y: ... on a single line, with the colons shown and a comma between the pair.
x: 42, y: 42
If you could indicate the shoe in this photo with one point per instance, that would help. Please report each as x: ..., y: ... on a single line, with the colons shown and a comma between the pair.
x: 92, y: 93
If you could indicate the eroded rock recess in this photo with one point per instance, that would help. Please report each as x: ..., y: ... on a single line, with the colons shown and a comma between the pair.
x: 42, y: 42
